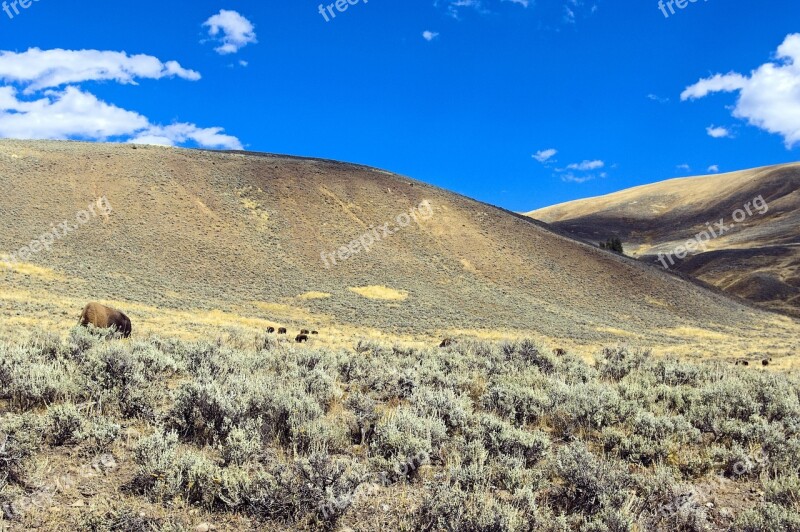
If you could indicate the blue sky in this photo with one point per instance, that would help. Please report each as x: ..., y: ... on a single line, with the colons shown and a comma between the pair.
x: 470, y: 95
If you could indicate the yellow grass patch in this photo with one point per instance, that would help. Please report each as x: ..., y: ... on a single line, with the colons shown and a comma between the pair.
x: 657, y: 302
x: 383, y: 293
x: 614, y: 330
x: 467, y: 265
x: 26, y: 268
x: 288, y: 312
x: 695, y: 332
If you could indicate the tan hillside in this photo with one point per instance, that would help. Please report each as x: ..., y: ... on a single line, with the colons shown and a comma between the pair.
x: 199, y: 241
x: 757, y: 258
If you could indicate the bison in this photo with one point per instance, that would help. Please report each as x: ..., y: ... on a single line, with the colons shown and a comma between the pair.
x: 282, y: 330
x: 314, y: 332
x: 447, y: 342
x: 305, y: 331
x: 300, y: 338
x: 104, y: 317
x: 270, y: 330
x: 559, y: 352
x: 765, y: 362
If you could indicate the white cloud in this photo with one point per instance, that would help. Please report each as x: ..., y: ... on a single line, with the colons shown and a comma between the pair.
x: 70, y: 113
x: 569, y: 15
x: 571, y: 177
x: 454, y: 7
x: 75, y: 114
x: 181, y: 133
x: 714, y: 168
x: 582, y: 172
x: 684, y: 167
x: 544, y: 156
x: 40, y: 69
x: 657, y: 98
x: 231, y: 30
x: 586, y: 165
x: 769, y: 97
x: 429, y: 35
x: 718, y: 132
x: 34, y: 105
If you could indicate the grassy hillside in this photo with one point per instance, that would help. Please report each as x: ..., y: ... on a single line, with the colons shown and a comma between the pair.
x: 197, y: 241
x: 757, y: 258
x: 255, y: 434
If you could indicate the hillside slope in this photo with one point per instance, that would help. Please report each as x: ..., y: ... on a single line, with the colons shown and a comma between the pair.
x: 203, y: 239
x: 757, y: 257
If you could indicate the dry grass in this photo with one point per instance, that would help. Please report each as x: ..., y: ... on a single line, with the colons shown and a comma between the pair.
x: 181, y: 255
x: 381, y: 293
x: 756, y: 260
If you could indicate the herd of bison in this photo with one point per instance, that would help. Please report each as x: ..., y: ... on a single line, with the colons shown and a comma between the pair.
x: 104, y: 317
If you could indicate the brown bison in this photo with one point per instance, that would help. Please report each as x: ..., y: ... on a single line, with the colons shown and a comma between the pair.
x: 559, y: 352
x: 300, y: 338
x: 305, y: 331
x: 765, y: 362
x: 105, y: 317
x: 270, y: 330
x: 314, y: 332
x: 447, y: 342
x: 282, y: 330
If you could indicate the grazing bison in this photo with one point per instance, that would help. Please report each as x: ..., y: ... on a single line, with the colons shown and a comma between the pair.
x: 559, y: 352
x: 270, y: 330
x: 765, y: 362
x: 282, y: 330
x: 745, y: 363
x: 105, y: 317
x: 447, y: 342
x: 314, y: 332
x: 300, y: 338
x: 304, y: 331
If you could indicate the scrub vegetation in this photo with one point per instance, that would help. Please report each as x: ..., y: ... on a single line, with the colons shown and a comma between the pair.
x: 257, y: 433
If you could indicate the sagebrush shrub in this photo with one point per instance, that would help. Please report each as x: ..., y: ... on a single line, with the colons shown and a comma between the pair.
x: 616, y: 363
x: 64, y: 422
x: 588, y: 484
x: 404, y: 434
x: 502, y: 438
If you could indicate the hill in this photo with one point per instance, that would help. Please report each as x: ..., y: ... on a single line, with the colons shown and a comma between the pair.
x: 754, y: 254
x: 196, y: 241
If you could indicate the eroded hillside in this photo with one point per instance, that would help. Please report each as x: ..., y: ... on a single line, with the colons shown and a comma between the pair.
x: 198, y: 239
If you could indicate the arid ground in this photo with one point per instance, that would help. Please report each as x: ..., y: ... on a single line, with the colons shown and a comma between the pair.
x: 203, y: 240
x: 583, y: 390
x: 757, y: 259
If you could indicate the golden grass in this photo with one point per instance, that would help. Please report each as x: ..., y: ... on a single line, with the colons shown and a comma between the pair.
x: 697, y: 333
x: 468, y: 266
x: 314, y: 295
x: 26, y: 268
x: 615, y: 331
x: 383, y: 293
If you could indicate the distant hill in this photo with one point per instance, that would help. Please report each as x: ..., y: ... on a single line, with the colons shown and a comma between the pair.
x: 200, y: 240
x: 757, y: 257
